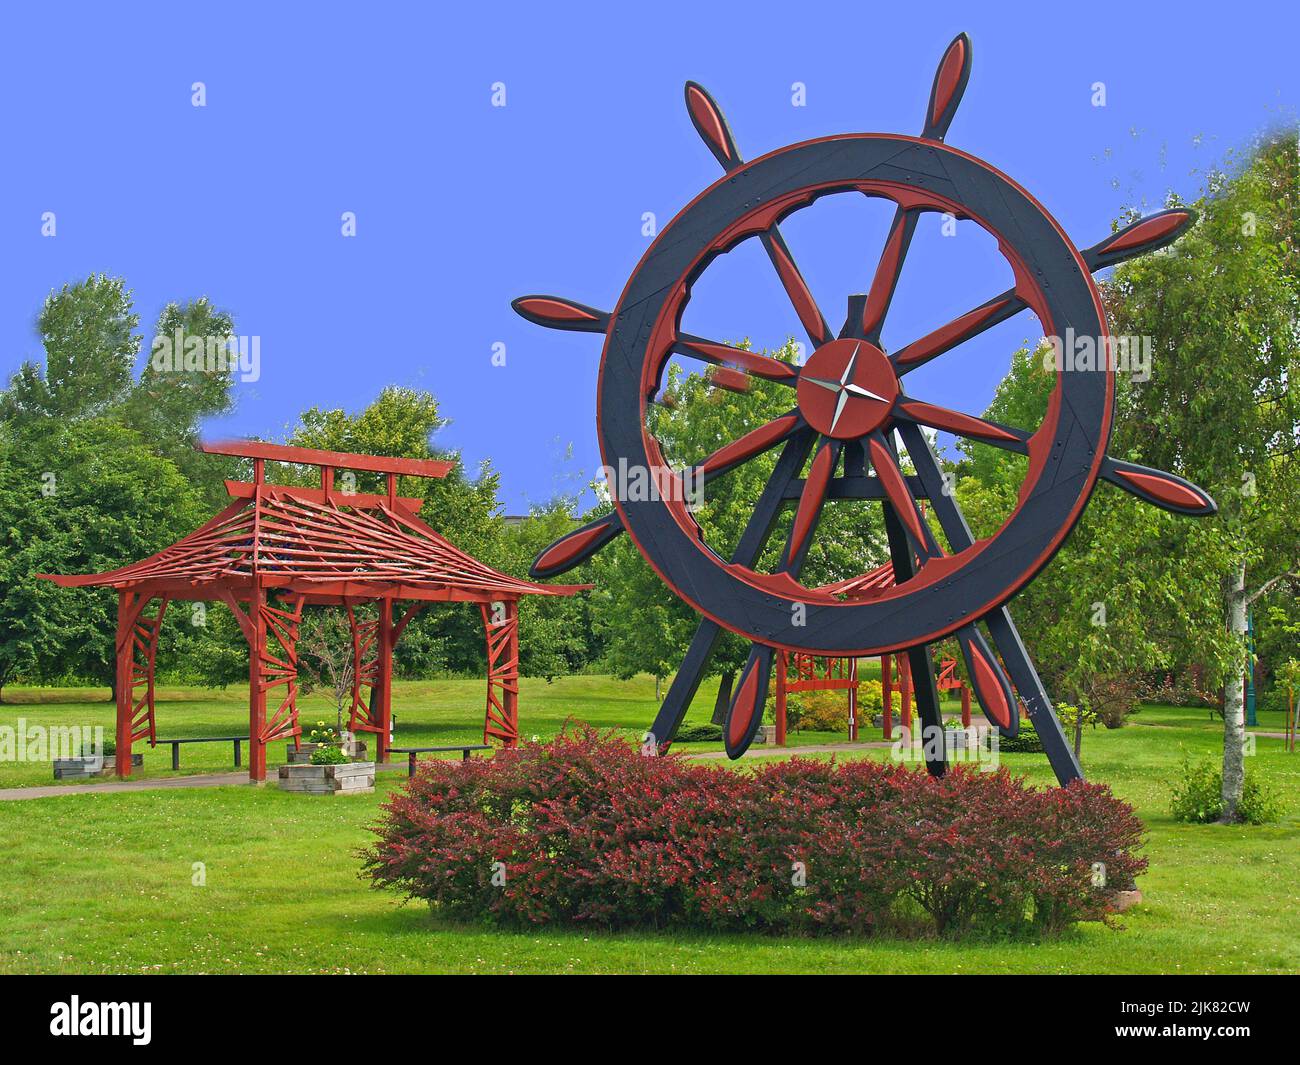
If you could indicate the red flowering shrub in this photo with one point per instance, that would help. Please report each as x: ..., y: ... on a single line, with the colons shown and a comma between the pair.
x: 584, y: 830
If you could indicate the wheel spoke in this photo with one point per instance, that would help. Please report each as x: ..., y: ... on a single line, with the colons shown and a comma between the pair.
x: 763, y: 366
x: 888, y: 271
x: 1143, y: 236
x: 896, y: 491
x: 811, y: 501
x: 958, y: 331
x: 810, y: 315
x: 711, y: 124
x: 951, y: 421
x: 745, y: 712
x: 751, y: 444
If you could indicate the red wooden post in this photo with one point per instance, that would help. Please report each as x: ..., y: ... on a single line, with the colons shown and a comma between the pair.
x: 887, y: 694
x: 905, y: 688
x: 256, y: 688
x: 384, y: 681
x: 965, y: 706
x: 123, y: 686
x: 781, y: 665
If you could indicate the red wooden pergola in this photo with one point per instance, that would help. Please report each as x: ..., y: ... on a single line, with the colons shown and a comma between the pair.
x: 277, y: 548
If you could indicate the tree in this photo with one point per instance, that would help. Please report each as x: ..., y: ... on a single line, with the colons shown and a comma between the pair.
x: 1222, y: 406
x: 83, y: 486
x: 556, y: 632
x: 80, y: 497
x: 325, y: 655
x: 169, y: 401
x: 88, y: 334
x: 1134, y: 589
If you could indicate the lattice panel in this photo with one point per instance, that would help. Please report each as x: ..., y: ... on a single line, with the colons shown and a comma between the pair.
x: 281, y: 671
x: 144, y: 655
x: 501, y: 623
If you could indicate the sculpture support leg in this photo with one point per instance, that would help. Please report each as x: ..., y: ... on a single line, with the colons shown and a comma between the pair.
x: 920, y: 664
x: 1001, y: 628
x: 691, y: 672
x: 782, y: 662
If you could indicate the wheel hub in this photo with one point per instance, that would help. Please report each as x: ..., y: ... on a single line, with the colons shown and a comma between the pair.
x: 847, y: 388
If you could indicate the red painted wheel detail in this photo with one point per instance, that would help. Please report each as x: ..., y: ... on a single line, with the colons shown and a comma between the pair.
x: 847, y: 389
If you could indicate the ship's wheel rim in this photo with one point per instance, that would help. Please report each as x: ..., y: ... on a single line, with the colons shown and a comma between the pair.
x: 1065, y: 459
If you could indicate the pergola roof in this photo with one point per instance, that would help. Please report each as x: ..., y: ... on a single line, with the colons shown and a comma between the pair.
x: 328, y: 545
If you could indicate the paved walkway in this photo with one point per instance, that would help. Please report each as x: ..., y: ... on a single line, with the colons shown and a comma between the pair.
x: 199, y: 780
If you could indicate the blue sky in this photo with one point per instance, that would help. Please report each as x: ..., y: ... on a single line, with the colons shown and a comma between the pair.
x: 386, y: 110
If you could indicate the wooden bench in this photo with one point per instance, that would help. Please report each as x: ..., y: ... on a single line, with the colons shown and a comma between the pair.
x: 176, y: 746
x: 412, y: 752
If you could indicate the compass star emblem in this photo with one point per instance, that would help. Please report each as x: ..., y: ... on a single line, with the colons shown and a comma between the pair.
x: 847, y: 388
x: 844, y: 387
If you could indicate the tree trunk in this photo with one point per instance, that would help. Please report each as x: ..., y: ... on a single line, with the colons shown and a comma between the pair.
x: 1234, y: 709
x: 1078, y: 732
x: 658, y: 689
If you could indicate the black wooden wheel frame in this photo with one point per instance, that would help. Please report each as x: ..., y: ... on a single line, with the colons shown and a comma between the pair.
x: 937, y: 590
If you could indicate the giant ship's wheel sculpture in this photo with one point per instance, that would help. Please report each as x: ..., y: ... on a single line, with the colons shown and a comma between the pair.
x: 848, y: 407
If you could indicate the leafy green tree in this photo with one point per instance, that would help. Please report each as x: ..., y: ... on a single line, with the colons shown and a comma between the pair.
x: 81, y: 415
x: 81, y: 497
x: 1223, y: 405
x: 88, y: 334
x: 556, y: 632
x: 1134, y: 589
x: 169, y: 402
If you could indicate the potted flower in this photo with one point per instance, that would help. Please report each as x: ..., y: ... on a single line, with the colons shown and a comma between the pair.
x: 330, y: 768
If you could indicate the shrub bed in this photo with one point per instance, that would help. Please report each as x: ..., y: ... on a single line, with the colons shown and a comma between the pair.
x: 585, y: 831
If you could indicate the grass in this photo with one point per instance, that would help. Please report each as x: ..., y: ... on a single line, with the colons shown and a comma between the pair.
x: 93, y: 883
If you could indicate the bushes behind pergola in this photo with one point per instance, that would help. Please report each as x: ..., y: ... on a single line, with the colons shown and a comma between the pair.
x: 277, y: 548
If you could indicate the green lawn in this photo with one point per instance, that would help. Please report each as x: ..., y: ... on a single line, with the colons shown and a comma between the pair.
x: 104, y: 882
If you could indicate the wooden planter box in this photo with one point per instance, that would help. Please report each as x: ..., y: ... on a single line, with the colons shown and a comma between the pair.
x: 349, y: 778
x: 78, y: 768
x: 353, y: 749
